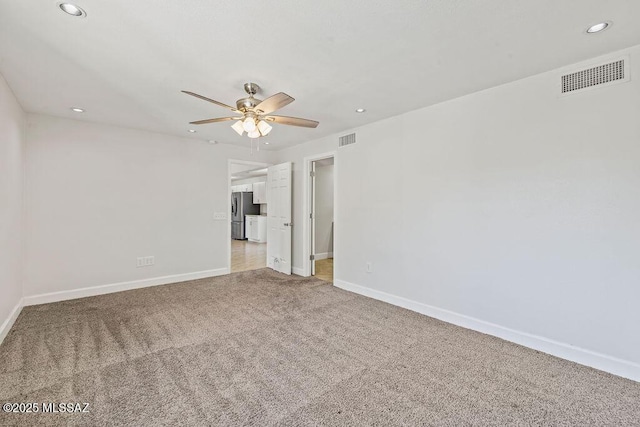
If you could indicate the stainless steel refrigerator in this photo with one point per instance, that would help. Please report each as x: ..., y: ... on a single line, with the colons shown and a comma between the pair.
x: 241, y: 205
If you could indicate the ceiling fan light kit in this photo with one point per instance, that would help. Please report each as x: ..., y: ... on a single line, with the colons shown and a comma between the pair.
x: 255, y: 113
x: 237, y: 126
x: 249, y: 124
x: 264, y: 127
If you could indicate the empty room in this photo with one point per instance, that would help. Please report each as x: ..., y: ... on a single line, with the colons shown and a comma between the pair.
x: 333, y: 213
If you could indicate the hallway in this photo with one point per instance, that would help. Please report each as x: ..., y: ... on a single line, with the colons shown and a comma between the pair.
x: 324, y: 269
x: 246, y: 255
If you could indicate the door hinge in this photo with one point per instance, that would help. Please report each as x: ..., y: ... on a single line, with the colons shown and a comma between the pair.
x: 312, y: 257
x: 310, y: 216
x: 312, y: 174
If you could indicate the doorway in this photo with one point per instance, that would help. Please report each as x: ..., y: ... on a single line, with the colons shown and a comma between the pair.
x: 248, y: 216
x: 321, y: 207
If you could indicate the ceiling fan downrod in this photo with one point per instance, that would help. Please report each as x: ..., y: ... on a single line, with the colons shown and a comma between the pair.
x: 251, y: 88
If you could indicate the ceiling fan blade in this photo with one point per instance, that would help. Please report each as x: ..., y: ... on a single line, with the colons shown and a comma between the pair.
x: 217, y: 119
x: 274, y: 103
x: 292, y: 121
x: 210, y: 100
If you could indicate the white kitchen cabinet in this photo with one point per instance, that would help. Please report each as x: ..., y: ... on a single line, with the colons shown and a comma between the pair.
x: 241, y: 187
x: 256, y: 228
x: 259, y: 192
x: 251, y: 227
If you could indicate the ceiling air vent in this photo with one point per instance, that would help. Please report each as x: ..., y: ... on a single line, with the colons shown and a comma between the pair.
x: 347, y: 140
x: 612, y: 72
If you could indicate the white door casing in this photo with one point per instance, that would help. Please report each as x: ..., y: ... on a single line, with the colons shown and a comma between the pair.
x: 231, y: 163
x: 307, y: 209
x: 313, y: 218
x: 279, y: 218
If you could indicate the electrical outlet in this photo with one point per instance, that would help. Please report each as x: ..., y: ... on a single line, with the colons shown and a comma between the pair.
x: 369, y: 267
x: 219, y: 215
x: 145, y: 261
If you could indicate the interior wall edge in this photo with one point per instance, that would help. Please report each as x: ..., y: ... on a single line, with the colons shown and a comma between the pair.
x: 9, y: 321
x: 13, y: 120
x: 298, y: 271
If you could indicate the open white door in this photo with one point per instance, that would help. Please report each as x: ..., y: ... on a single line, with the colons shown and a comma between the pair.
x: 279, y: 218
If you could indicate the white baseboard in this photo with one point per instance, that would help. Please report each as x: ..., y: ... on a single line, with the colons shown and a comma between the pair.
x: 118, y: 287
x: 8, y: 323
x: 603, y: 362
x: 324, y: 255
x: 300, y: 271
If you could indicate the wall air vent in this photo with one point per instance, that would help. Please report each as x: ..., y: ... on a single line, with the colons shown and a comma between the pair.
x: 612, y: 72
x: 347, y: 140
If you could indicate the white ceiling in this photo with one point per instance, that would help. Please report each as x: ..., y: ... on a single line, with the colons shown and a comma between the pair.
x: 127, y: 61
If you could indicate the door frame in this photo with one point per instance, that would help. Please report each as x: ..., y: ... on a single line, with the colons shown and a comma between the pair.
x: 306, y: 209
x: 229, y: 163
x: 313, y: 220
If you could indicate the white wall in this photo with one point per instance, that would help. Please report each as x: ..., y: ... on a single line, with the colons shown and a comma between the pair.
x: 12, y: 120
x: 512, y: 206
x: 98, y: 197
x: 324, y: 211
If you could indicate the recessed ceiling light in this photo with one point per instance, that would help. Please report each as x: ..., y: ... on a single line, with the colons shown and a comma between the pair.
x: 266, y: 143
x: 72, y: 9
x: 213, y: 141
x: 77, y: 110
x: 192, y: 131
x: 360, y: 110
x: 598, y: 27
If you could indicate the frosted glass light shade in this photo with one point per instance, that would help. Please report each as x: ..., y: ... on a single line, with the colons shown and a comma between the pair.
x: 264, y: 127
x: 254, y: 134
x: 237, y: 126
x: 249, y: 124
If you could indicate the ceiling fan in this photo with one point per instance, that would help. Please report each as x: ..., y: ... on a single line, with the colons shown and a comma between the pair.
x: 255, y: 114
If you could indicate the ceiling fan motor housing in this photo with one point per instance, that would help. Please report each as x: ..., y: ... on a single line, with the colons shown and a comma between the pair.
x: 249, y: 103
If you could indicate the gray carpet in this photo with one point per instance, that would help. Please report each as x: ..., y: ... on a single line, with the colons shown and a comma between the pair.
x: 260, y: 348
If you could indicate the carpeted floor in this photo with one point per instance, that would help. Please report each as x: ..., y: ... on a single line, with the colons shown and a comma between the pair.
x: 260, y: 348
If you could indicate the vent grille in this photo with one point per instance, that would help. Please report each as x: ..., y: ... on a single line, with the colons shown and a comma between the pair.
x: 595, y: 76
x: 347, y: 140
